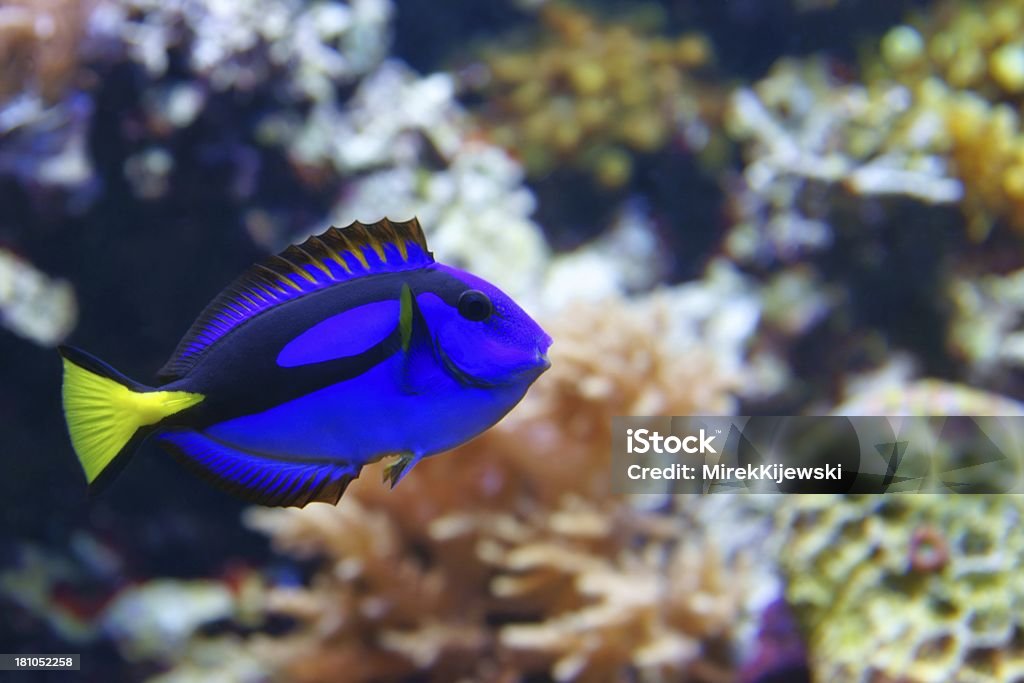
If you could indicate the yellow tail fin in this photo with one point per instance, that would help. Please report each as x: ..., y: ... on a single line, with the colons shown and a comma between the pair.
x: 104, y: 410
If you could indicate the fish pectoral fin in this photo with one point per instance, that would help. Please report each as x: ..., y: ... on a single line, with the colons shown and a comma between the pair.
x: 418, y: 369
x: 395, y: 471
x: 257, y: 477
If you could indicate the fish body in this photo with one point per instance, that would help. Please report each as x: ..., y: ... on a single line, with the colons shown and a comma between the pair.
x: 349, y: 347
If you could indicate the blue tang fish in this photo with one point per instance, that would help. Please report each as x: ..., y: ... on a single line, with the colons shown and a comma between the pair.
x: 349, y: 347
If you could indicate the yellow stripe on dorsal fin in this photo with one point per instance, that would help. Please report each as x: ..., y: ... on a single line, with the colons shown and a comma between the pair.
x: 336, y: 256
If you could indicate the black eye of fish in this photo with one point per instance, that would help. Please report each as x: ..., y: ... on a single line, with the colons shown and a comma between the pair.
x: 475, y: 305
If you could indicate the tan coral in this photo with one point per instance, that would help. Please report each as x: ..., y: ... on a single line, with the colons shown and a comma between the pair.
x: 373, y: 613
x: 627, y: 616
x: 39, y: 43
x: 988, y: 151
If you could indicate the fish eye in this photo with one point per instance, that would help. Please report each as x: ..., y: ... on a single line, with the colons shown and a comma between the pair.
x: 475, y: 305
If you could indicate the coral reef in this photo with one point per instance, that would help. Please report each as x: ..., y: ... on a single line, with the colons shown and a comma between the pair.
x: 987, y: 149
x: 39, y: 48
x: 831, y: 204
x: 627, y: 258
x: 42, y: 121
x: 55, y: 52
x: 29, y: 581
x: 510, y: 558
x: 985, y: 331
x: 32, y: 304
x: 394, y: 118
x: 807, y: 140
x: 969, y: 46
x: 293, y: 52
x: 242, y: 45
x: 904, y: 396
x: 917, y: 588
x: 965, y: 62
x: 155, y: 620
x: 574, y: 99
x: 562, y: 580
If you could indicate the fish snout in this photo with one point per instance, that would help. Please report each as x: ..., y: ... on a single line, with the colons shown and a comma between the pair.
x: 543, y: 363
x: 542, y: 353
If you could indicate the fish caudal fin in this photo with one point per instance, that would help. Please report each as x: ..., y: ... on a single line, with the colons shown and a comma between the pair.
x: 106, y: 412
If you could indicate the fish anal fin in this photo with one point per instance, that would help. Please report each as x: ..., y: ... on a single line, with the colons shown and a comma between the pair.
x: 333, y: 257
x: 258, y: 478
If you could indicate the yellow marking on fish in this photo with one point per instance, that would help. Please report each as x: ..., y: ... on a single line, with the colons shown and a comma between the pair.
x: 377, y: 242
x: 315, y: 261
x: 405, y: 316
x: 396, y: 239
x: 103, y: 414
x: 295, y: 268
x: 403, y: 250
x: 333, y: 254
x: 275, y: 280
x: 355, y: 251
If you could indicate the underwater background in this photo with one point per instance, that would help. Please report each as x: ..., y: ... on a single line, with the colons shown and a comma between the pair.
x: 733, y: 207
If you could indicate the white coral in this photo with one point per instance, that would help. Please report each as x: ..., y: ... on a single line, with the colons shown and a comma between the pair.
x: 32, y: 304
x: 236, y: 44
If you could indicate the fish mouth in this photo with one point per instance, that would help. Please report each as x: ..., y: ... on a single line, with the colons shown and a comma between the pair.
x: 543, y: 362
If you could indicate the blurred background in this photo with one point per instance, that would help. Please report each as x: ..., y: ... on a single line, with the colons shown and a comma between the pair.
x: 733, y: 207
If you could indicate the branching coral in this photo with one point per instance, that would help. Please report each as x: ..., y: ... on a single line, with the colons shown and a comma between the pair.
x: 32, y: 305
x: 986, y: 330
x: 242, y: 45
x: 965, y: 61
x: 296, y: 53
x: 393, y: 114
x: 562, y: 580
x: 805, y: 135
x: 575, y: 99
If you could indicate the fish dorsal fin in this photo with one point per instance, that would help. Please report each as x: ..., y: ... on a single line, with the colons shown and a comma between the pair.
x: 336, y: 256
